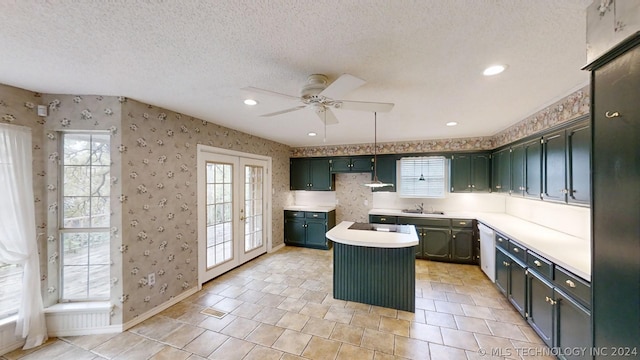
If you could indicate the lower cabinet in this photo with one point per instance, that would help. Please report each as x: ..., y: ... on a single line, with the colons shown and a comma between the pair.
x: 463, y: 246
x: 540, y: 314
x: 308, y: 228
x: 573, y: 326
x: 517, y: 291
x: 435, y: 243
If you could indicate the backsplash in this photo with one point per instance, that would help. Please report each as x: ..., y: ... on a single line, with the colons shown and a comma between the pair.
x: 354, y: 199
x: 572, y: 220
x: 568, y: 108
x: 484, y: 202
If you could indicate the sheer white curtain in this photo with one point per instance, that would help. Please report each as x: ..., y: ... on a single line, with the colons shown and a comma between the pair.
x: 18, y: 243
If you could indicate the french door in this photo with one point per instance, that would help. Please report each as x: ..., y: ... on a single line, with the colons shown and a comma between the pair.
x: 233, y: 210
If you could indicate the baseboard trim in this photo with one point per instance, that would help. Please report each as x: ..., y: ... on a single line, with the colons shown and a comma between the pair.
x: 8, y: 339
x: 158, y: 309
x: 276, y: 248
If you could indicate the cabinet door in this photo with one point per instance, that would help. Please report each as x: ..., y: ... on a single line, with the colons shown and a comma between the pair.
x: 505, y: 171
x: 540, y: 307
x: 386, y: 171
x: 533, y: 169
x: 480, y: 167
x: 462, y: 246
x: 502, y: 271
x: 517, y: 293
x: 299, y: 176
x: 573, y: 328
x: 579, y: 164
x: 460, y: 173
x: 362, y: 164
x: 294, y: 231
x: 420, y: 247
x: 517, y: 170
x: 340, y: 164
x: 436, y: 243
x: 554, y: 167
x: 320, y: 174
x: 316, y: 234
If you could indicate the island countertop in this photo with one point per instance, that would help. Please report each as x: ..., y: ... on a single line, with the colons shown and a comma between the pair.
x: 379, y: 239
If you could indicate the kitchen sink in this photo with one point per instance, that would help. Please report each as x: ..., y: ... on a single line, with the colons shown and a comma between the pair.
x: 412, y: 211
x: 418, y: 211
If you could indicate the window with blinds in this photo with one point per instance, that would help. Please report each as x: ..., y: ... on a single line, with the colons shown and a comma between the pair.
x: 422, y: 177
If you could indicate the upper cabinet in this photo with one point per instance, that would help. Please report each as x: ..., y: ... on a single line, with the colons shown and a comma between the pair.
x: 386, y: 171
x: 554, y: 166
x: 311, y: 174
x: 351, y: 164
x: 533, y: 169
x: 470, y: 173
x: 578, y: 164
x: 518, y: 185
x: 501, y: 171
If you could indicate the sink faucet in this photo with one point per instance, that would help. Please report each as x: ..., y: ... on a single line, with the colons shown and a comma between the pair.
x: 420, y: 207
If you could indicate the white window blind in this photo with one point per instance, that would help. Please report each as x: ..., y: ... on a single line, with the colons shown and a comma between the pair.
x: 422, y: 177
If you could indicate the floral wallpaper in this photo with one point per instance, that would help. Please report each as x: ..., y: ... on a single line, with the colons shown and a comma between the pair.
x: 568, y: 108
x: 352, y: 196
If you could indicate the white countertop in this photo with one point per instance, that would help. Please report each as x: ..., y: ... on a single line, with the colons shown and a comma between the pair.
x: 570, y: 252
x: 310, y: 208
x: 380, y: 239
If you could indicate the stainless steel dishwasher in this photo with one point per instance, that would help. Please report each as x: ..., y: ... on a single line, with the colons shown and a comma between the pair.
x: 488, y: 251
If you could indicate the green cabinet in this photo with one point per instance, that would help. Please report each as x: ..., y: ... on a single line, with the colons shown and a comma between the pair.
x: 518, y: 185
x: 308, y: 228
x: 435, y: 243
x: 311, y: 174
x: 470, y: 173
x: 347, y: 164
x: 502, y: 271
x: 385, y: 167
x: 463, y: 247
x: 573, y: 326
x: 501, y: 171
x: 511, y: 277
x: 540, y: 312
x: 382, y: 219
x: 554, y: 187
x: 533, y: 169
x: 579, y: 164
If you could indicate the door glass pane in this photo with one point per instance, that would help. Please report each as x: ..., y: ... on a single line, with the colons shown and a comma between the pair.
x: 219, y: 213
x: 253, y: 207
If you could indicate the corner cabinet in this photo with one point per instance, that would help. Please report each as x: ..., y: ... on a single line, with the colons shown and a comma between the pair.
x: 308, y: 228
x: 470, y: 173
x: 311, y: 174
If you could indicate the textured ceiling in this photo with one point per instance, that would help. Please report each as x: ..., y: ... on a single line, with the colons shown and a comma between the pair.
x: 194, y: 57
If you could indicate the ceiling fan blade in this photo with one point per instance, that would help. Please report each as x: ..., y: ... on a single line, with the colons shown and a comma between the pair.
x: 327, y: 115
x: 270, y: 93
x: 284, y: 111
x: 342, y: 86
x: 364, y: 106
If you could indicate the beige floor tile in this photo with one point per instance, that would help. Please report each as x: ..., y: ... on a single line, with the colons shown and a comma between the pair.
x: 411, y: 348
x: 233, y: 291
x: 331, y: 301
x: 196, y: 357
x: 193, y: 317
x: 459, y: 339
x: 89, y: 342
x: 494, y: 345
x: 417, y: 316
x: 482, y: 312
x: 358, y: 306
x: 287, y: 356
x: 75, y: 353
x: 350, y: 352
x: 207, y: 298
x: 292, y: 342
x: 293, y: 305
x: 206, y: 343
x: 531, y: 335
x: 232, y: 349
x: 425, y: 304
x: 314, y: 296
x: 440, y: 319
x: 314, y: 310
x: 247, y: 310
x: 169, y: 353
x: 157, y: 327
x: 448, y: 307
x: 275, y: 289
x: 445, y: 352
x: 265, y: 335
x: 271, y: 300
x: 182, y: 335
x: 321, y: 349
x: 506, y: 330
x: 214, y: 324
x: 55, y: 349
x: 379, y: 341
x: 394, y: 326
x: 426, y: 332
x: 347, y: 333
x: 251, y: 296
x: 472, y: 324
x: 443, y: 287
x: 531, y: 351
x: 269, y: 315
x: 293, y: 321
x: 118, y: 344
x: 319, y: 327
x: 19, y: 353
x: 240, y: 328
x: 263, y: 353
x: 340, y: 315
x: 293, y: 292
x: 143, y: 350
x: 227, y: 304
x: 257, y: 285
x: 460, y: 298
x: 366, y: 320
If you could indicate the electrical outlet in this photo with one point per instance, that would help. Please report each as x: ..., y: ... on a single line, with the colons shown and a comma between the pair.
x: 151, y: 279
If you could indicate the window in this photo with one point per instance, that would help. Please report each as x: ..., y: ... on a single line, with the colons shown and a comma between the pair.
x: 422, y: 177
x: 84, y: 219
x: 11, y: 285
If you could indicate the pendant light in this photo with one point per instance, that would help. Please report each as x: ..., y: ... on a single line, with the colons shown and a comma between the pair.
x: 375, y: 183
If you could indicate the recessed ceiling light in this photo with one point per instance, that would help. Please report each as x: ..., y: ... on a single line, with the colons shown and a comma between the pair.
x: 494, y: 70
x: 250, y: 102
x: 312, y: 134
x: 452, y: 123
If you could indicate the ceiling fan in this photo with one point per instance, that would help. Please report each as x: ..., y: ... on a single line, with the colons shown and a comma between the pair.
x: 320, y: 96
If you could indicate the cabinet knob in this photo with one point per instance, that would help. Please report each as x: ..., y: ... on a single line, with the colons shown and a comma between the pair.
x: 564, y: 191
x: 611, y: 115
x: 473, y: 186
x: 570, y: 283
x: 516, y: 250
x: 538, y: 264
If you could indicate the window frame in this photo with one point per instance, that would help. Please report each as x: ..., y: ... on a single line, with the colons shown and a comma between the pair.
x: 61, y: 229
x: 416, y: 195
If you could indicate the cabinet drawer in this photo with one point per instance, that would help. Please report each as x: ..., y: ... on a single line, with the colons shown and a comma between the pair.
x: 294, y: 214
x: 518, y: 251
x: 435, y: 222
x: 462, y: 223
x: 316, y: 215
x: 502, y: 241
x: 573, y: 285
x: 382, y: 219
x: 540, y: 264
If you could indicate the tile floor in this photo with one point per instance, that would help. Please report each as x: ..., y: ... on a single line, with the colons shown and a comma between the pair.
x: 280, y: 306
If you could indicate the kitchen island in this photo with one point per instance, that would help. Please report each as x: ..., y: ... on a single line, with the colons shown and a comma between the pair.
x: 374, y: 264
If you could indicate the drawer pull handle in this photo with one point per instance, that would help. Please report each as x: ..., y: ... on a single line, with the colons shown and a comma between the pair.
x: 516, y: 250
x: 612, y: 115
x: 315, y: 215
x: 500, y: 239
x: 463, y: 223
x: 383, y: 219
x: 570, y: 283
x: 549, y: 300
x: 538, y: 264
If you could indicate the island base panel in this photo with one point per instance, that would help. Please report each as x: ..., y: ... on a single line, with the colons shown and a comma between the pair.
x: 378, y: 276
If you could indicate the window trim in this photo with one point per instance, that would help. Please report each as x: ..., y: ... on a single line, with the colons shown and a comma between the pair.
x: 444, y: 178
